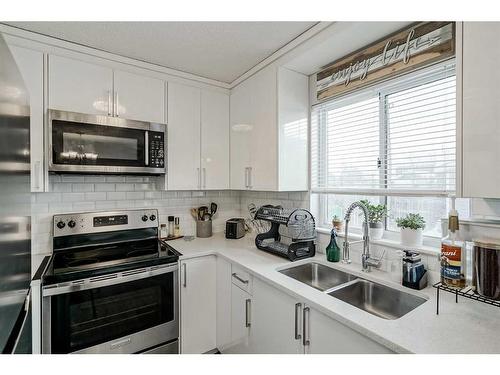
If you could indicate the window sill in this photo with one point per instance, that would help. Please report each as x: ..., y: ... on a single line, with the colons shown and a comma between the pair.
x: 429, y: 250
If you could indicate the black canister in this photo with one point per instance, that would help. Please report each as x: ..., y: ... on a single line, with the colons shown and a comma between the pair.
x: 486, y: 269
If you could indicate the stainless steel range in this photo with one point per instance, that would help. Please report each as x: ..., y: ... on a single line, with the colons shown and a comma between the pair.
x: 110, y: 286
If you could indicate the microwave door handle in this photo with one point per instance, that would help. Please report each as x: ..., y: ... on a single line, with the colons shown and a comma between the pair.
x: 146, y: 148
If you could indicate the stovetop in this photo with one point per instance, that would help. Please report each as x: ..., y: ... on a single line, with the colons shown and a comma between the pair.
x: 91, y: 261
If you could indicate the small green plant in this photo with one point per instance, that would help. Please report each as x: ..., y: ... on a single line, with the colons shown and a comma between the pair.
x: 376, y: 212
x: 336, y: 218
x: 411, y: 221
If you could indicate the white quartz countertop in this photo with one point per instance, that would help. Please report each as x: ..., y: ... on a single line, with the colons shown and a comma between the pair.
x: 466, y: 327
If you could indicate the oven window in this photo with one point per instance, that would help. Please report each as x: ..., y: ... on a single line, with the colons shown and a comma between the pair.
x: 87, y: 144
x: 83, y: 319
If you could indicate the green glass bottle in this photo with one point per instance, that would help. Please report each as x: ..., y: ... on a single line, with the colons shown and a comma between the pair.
x: 333, y: 249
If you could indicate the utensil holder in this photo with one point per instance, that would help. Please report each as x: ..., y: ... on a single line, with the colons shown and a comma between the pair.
x: 204, y: 228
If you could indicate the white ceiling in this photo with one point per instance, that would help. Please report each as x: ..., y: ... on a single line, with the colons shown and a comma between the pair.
x: 218, y: 50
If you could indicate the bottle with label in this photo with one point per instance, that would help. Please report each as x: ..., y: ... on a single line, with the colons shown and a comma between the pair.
x: 453, y: 253
x: 333, y: 249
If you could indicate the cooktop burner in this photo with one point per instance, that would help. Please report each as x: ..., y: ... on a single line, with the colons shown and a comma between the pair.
x: 74, y: 264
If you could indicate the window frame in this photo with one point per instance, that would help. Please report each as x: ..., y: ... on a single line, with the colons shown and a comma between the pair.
x: 382, y: 90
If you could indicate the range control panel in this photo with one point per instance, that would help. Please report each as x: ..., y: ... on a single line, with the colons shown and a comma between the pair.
x: 95, y: 222
x: 156, y: 149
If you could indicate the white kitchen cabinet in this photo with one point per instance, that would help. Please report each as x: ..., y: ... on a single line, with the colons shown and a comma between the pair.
x: 79, y: 86
x: 31, y: 66
x: 223, y: 304
x: 480, y: 109
x: 214, y: 140
x: 184, y: 138
x: 198, y: 139
x: 277, y: 321
x: 241, y: 321
x: 325, y: 335
x: 198, y: 304
x: 269, y: 118
x: 138, y: 97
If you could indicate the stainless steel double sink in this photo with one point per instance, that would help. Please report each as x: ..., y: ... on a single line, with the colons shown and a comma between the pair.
x: 374, y: 298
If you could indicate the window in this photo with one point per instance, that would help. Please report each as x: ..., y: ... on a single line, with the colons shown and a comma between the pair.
x: 392, y: 144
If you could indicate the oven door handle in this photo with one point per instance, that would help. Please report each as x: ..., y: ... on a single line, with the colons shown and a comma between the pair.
x: 107, y: 280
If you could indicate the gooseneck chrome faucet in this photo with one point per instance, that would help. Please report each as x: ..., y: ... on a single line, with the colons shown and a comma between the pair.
x: 366, y: 261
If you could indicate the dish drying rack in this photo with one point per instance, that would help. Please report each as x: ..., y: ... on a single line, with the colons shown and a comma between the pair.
x: 291, y: 235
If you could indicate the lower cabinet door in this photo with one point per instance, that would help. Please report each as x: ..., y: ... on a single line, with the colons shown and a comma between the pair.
x: 198, y: 304
x: 276, y: 321
x: 327, y: 336
x: 241, y: 321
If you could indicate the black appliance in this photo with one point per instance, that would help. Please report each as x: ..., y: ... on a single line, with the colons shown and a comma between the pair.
x: 84, y: 143
x: 235, y: 228
x: 111, y: 286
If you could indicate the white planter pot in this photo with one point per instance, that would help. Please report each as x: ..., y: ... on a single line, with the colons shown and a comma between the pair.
x: 411, y: 237
x: 376, y: 231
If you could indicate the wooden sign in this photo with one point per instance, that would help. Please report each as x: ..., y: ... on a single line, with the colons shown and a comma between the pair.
x: 413, y: 47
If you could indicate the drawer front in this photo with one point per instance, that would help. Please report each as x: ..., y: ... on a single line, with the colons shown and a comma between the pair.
x: 242, y: 279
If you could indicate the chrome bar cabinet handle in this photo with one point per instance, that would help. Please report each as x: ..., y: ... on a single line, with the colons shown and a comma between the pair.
x: 184, y: 282
x: 305, y: 326
x: 248, y: 306
x: 235, y: 275
x: 109, y: 103
x: 298, y: 307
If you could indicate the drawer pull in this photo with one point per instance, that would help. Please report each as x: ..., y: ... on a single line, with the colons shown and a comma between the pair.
x: 235, y: 275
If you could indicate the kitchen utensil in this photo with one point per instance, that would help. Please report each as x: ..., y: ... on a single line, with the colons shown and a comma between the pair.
x: 202, y: 210
x: 486, y: 269
x: 213, y: 209
x: 194, y: 213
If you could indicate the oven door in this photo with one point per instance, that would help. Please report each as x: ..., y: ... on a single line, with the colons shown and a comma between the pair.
x: 101, y: 144
x: 118, y: 313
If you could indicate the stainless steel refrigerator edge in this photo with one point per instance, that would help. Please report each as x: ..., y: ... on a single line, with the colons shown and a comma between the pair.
x: 15, y: 208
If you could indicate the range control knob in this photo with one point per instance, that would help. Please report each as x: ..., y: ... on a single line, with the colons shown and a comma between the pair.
x: 152, y: 218
x: 71, y: 224
x: 145, y: 218
x: 61, y: 224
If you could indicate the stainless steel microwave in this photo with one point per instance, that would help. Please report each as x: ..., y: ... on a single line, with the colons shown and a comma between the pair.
x: 83, y: 143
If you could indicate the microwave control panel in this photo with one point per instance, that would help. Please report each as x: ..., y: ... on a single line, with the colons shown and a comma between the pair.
x: 156, y: 149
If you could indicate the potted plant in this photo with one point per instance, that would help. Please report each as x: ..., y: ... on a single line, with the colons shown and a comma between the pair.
x: 337, y: 223
x: 412, y: 226
x: 376, y: 215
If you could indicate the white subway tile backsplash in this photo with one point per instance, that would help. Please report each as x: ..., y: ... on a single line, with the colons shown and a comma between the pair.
x: 124, y: 187
x: 73, y: 197
x: 95, y: 196
x: 72, y: 178
x: 134, y: 195
x: 116, y: 195
x: 77, y: 193
x: 104, y: 187
x: 94, y: 179
x: 115, y: 178
x: 82, y: 187
x: 83, y: 206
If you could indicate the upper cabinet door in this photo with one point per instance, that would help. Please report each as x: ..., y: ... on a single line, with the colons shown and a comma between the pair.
x: 79, y: 86
x: 241, y: 135
x: 215, y: 140
x: 183, y: 137
x: 481, y: 109
x: 138, y: 97
x: 30, y: 64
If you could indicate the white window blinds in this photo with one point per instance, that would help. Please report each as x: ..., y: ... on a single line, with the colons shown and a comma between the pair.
x: 396, y: 139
